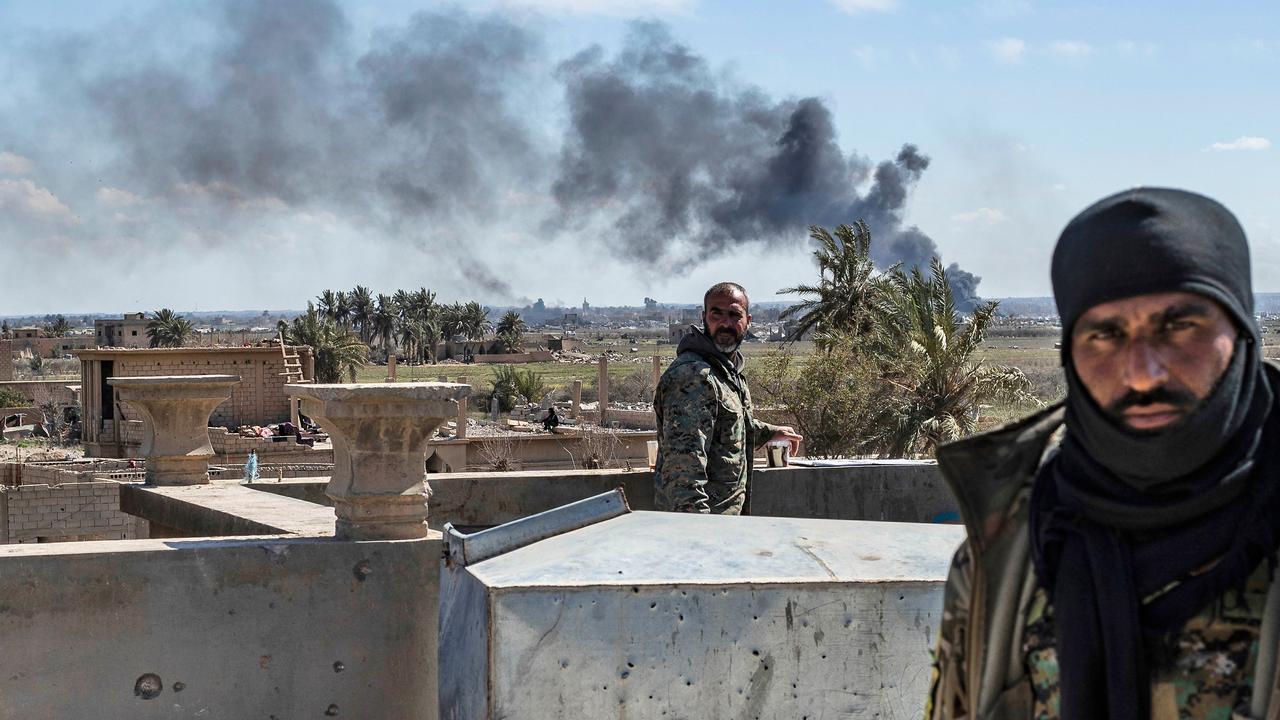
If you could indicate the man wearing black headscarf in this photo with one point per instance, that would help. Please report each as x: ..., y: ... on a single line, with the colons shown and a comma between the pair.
x: 1121, y: 544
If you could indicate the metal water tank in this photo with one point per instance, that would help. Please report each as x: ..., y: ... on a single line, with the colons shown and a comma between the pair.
x: 594, y: 611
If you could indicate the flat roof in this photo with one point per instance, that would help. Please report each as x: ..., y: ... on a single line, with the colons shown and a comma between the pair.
x: 96, y: 353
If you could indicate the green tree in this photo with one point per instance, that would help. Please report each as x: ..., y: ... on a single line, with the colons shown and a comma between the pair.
x: 847, y: 286
x: 338, y: 353
x: 474, y: 321
x: 508, y: 383
x: 928, y: 353
x: 327, y: 304
x: 383, y: 322
x: 360, y: 303
x: 59, y: 327
x: 510, y: 332
x: 168, y: 329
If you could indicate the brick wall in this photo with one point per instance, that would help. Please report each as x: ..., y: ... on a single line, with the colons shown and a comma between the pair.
x: 65, y: 513
x: 245, y: 407
x: 6, y: 360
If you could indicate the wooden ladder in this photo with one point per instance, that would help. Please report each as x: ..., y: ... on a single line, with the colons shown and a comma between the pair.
x: 292, y: 374
x: 292, y: 364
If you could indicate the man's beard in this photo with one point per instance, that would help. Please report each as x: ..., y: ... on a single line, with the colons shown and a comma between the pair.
x: 725, y: 339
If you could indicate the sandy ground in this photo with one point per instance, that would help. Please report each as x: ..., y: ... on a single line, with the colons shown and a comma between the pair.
x: 38, y: 450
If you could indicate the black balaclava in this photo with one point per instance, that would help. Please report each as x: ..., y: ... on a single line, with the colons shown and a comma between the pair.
x: 1133, y: 533
x: 1153, y: 240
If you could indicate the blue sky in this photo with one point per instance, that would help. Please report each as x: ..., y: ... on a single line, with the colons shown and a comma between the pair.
x: 1028, y: 112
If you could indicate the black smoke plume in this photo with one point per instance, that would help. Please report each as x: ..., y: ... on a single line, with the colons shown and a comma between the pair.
x: 423, y: 137
x: 683, y: 165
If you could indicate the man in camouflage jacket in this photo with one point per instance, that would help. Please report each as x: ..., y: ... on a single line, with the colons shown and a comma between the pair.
x: 706, y: 435
x: 1122, y: 543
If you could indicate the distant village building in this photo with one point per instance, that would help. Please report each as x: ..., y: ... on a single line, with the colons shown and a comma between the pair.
x: 259, y: 398
x: 129, y: 331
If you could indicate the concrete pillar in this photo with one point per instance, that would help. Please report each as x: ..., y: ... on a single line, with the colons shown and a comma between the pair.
x: 577, y: 398
x: 657, y: 370
x: 462, y: 418
x: 175, y: 422
x: 380, y: 435
x: 603, y: 400
x: 391, y: 368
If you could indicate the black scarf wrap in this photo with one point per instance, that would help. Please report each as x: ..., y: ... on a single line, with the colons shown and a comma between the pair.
x: 1101, y: 545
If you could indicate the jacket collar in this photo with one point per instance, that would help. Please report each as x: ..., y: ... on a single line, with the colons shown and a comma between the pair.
x: 986, y: 471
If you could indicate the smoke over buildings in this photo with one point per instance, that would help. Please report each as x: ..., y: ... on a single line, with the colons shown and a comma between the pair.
x: 422, y: 137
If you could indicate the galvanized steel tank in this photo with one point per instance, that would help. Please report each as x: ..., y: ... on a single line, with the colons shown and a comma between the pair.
x: 661, y: 615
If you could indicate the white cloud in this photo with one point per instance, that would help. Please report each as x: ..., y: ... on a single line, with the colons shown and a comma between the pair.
x: 1071, y: 49
x: 1242, y: 143
x: 1007, y: 50
x: 27, y: 198
x: 115, y: 197
x: 983, y: 215
x: 11, y: 164
x: 857, y: 6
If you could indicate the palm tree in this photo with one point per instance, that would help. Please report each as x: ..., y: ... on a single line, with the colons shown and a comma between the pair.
x: 337, y: 352
x: 58, y: 327
x: 383, y: 322
x: 924, y: 349
x: 342, y: 309
x: 327, y: 304
x: 451, y: 320
x: 847, y: 283
x: 475, y: 321
x: 168, y: 329
x: 360, y: 300
x: 510, y: 331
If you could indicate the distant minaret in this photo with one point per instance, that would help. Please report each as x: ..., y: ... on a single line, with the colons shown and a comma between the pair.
x: 585, y: 305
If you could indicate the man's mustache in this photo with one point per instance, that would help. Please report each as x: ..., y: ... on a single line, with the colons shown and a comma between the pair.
x: 1180, y: 399
x: 728, y: 331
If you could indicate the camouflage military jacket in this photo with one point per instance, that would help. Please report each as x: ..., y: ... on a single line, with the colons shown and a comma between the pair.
x: 995, y: 657
x: 706, y: 435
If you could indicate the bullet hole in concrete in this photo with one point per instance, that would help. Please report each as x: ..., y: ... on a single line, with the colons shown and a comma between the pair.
x: 179, y: 686
x: 331, y: 711
x: 631, y: 665
x: 148, y: 686
x: 635, y: 589
x: 653, y: 605
x: 625, y: 675
x: 363, y: 570
x: 338, y: 666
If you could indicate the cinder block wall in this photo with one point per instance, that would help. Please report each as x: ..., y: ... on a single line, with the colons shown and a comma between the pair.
x: 63, y: 513
x: 6, y: 360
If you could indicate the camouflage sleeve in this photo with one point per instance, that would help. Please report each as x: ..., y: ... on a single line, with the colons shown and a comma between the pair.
x: 761, y: 432
x: 948, y: 698
x: 688, y: 421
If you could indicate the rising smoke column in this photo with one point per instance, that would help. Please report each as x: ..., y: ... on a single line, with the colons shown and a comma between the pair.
x: 418, y: 137
x: 684, y: 165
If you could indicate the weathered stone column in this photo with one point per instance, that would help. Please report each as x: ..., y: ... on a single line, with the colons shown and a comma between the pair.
x: 603, y: 400
x: 391, y: 368
x: 380, y: 435
x: 175, y: 422
x: 577, y: 398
